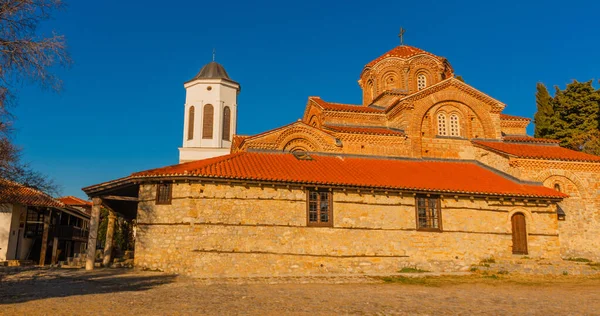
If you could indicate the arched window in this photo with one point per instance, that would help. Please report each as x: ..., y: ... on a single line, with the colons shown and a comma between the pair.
x: 454, y: 125
x: 370, y: 92
x: 226, y: 123
x: 421, y: 81
x: 442, y: 127
x: 191, y: 123
x: 557, y: 187
x: 207, y: 121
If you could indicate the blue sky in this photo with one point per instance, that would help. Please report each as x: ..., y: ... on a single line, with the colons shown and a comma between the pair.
x: 121, y: 109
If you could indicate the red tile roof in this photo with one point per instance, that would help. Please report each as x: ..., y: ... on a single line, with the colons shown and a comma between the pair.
x: 508, y: 117
x: 369, y: 130
x: 402, y: 51
x: 74, y: 201
x: 538, y: 151
x: 11, y: 192
x: 344, y: 107
x: 460, y: 177
x: 527, y: 139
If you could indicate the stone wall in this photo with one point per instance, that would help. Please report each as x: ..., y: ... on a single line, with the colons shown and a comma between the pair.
x: 233, y: 230
x: 581, y: 180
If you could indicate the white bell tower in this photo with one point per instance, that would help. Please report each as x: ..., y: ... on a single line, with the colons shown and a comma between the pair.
x: 210, y: 114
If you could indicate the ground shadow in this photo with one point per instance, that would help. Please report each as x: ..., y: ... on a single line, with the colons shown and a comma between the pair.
x: 28, y: 284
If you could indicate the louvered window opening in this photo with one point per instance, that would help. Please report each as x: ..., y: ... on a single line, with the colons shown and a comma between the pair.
x: 191, y: 115
x: 226, y: 123
x: 207, y: 121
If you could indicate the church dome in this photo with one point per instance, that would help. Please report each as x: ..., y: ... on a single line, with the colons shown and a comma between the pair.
x: 212, y: 70
x: 405, y: 52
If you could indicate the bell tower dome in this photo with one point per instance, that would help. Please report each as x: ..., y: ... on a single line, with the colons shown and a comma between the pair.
x: 210, y: 114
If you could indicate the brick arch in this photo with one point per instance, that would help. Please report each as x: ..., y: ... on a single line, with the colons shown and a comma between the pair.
x: 566, y: 176
x: 390, y: 79
x: 429, y: 118
x: 528, y: 218
x: 318, y: 140
x: 482, y: 113
x: 299, y: 144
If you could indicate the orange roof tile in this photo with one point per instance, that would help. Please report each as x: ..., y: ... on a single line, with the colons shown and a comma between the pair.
x: 402, y: 51
x: 12, y: 192
x: 460, y: 177
x: 74, y: 201
x: 344, y: 107
x: 538, y: 151
x: 528, y: 139
x: 369, y: 130
x: 508, y: 117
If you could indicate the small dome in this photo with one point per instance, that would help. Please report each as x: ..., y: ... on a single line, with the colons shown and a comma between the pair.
x: 212, y: 70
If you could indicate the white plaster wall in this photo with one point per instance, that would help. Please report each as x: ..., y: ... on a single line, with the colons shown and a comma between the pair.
x: 5, y: 223
x: 223, y: 93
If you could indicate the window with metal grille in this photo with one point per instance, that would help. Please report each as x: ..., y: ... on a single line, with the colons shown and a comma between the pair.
x: 163, y: 193
x: 226, y: 123
x: 320, y: 210
x: 454, y: 125
x: 191, y: 114
x: 442, y: 128
x: 429, y: 213
x: 421, y: 81
x: 207, y: 121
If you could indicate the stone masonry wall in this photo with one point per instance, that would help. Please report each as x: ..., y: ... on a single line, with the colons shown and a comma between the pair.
x: 581, y: 180
x: 213, y: 230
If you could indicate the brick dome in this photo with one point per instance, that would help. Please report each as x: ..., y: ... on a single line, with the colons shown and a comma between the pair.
x: 404, y: 51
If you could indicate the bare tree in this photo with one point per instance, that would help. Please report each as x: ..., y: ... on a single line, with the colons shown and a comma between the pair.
x: 25, y: 56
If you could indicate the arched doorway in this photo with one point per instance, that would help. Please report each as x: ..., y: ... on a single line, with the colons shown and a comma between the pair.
x: 519, y: 234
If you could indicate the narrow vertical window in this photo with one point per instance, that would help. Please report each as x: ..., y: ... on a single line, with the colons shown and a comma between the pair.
x: 557, y: 187
x: 421, y: 81
x: 429, y: 213
x: 207, y: 121
x: 191, y: 113
x: 164, y: 193
x: 442, y: 128
x: 320, y: 210
x: 226, y: 123
x: 454, y: 125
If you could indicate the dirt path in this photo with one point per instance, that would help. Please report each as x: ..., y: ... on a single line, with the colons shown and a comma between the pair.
x: 124, y: 292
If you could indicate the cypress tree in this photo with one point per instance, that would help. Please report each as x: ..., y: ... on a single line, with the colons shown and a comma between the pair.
x: 545, y: 113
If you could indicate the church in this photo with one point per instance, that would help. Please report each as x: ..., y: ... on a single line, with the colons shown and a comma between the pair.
x: 426, y: 172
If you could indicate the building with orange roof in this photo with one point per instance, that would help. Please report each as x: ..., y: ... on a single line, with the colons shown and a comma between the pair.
x: 426, y: 171
x: 38, y: 228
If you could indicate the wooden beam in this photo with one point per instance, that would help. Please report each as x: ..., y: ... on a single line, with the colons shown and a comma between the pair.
x: 93, y: 234
x: 47, y: 216
x: 120, y: 198
x: 54, y: 251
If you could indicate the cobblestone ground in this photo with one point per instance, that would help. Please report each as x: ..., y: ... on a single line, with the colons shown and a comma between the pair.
x: 37, y: 291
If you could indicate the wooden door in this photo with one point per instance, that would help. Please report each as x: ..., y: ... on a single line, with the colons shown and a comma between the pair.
x: 519, y: 234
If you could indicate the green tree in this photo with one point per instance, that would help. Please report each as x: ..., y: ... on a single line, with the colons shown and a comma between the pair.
x: 543, y: 118
x: 576, y: 115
